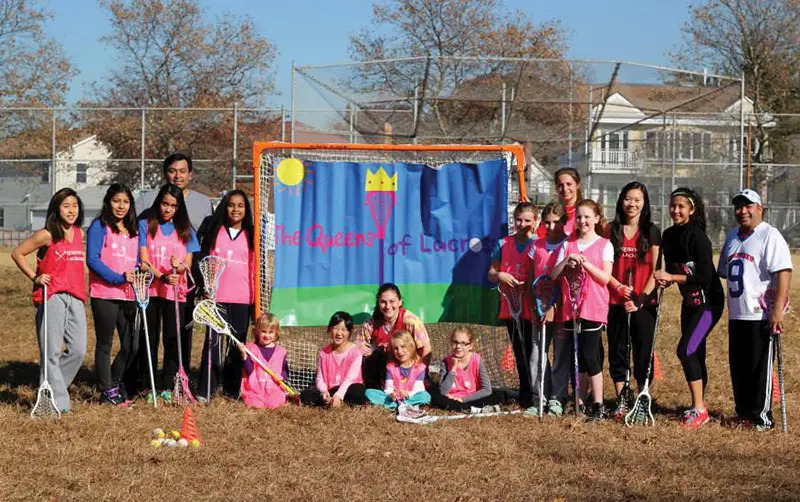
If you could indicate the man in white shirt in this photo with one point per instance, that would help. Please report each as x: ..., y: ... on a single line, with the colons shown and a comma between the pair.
x: 755, y: 259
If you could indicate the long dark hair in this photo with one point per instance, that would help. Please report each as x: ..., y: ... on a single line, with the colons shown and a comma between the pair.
x: 377, y: 315
x: 181, y: 218
x: 53, y: 222
x: 107, y: 216
x: 220, y: 218
x: 643, y: 243
x: 698, y: 218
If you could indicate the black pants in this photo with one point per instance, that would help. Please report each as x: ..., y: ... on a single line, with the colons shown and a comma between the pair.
x: 187, y: 308
x: 438, y: 400
x: 354, y: 395
x: 643, y: 323
x: 696, y: 324
x: 590, y: 346
x: 522, y: 343
x: 108, y: 315
x: 238, y: 316
x: 373, y: 369
x: 161, y: 311
x: 750, y: 355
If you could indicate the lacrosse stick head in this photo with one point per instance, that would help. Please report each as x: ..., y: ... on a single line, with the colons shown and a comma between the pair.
x: 142, y: 279
x: 641, y: 413
x: 514, y: 299
x: 207, y: 313
x: 211, y: 268
x: 545, y: 291
x: 575, y: 279
x: 45, y: 406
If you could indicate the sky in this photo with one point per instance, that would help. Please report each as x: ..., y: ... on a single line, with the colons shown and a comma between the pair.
x: 311, y: 32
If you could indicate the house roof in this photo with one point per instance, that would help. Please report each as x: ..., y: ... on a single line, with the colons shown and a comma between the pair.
x: 661, y: 98
x: 36, y: 143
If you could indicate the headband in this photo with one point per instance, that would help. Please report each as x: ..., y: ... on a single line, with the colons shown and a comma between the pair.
x: 683, y: 193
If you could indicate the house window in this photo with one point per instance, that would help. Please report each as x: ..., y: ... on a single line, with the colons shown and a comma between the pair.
x: 2, y: 217
x: 80, y: 174
x: 694, y: 145
x: 659, y: 145
x: 614, y: 141
x: 45, y: 167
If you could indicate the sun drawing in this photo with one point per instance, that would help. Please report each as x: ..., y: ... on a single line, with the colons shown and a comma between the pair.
x: 292, y: 176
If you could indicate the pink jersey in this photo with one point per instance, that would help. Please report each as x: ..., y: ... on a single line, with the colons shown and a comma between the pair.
x: 595, y: 296
x: 405, y: 384
x: 119, y: 253
x: 63, y: 261
x: 333, y: 372
x: 161, y: 248
x: 236, y: 282
x: 259, y: 390
x: 468, y: 380
x: 517, y: 264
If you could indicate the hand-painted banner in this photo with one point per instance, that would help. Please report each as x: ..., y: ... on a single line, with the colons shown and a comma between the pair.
x: 344, y: 228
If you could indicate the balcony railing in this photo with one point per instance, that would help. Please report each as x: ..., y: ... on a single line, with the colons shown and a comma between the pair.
x: 616, y: 161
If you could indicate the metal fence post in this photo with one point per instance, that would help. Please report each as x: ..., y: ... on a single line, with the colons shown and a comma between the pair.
x: 53, y: 168
x: 235, y: 143
x: 141, y: 148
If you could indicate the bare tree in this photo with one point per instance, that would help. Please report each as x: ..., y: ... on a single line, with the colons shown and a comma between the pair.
x: 170, y: 55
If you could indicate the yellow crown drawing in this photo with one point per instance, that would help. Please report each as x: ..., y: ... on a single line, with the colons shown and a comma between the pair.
x: 380, y: 181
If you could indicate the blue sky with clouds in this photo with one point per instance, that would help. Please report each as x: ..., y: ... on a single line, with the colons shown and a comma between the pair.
x: 316, y: 32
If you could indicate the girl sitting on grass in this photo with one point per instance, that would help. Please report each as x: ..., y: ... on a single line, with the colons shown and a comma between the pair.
x: 259, y: 389
x: 405, y: 375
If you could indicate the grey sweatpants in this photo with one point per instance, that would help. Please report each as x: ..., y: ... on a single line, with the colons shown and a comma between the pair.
x: 563, y: 364
x: 66, y: 343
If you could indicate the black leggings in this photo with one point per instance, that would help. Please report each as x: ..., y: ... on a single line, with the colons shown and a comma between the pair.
x: 696, y: 324
x: 161, y: 311
x: 108, y: 315
x: 590, y: 346
x: 522, y: 344
x: 445, y: 403
x: 354, y: 395
x: 643, y: 323
x: 238, y: 316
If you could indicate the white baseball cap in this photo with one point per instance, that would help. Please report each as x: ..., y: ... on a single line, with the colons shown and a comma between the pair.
x: 751, y: 196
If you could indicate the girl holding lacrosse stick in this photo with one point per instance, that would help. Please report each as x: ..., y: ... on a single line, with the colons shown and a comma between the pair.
x: 556, y: 378
x: 229, y: 237
x: 338, y: 368
x: 405, y: 375
x: 166, y: 244
x: 59, y: 266
x: 258, y: 388
x: 112, y: 253
x: 465, y: 380
x: 375, y: 335
x: 632, y: 313
x: 568, y: 187
x: 510, y: 269
x: 688, y: 258
x: 586, y: 252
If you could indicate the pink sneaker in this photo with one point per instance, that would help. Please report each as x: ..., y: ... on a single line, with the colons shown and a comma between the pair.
x: 694, y: 418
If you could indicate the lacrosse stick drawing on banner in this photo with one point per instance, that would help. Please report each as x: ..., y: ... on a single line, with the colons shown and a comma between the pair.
x: 211, y: 269
x: 767, y: 301
x: 626, y: 396
x: 381, y: 198
x: 45, y: 402
x: 545, y: 293
x: 575, y: 280
x: 515, y: 298
x: 141, y: 290
x: 641, y: 412
x: 207, y: 313
x: 181, y: 394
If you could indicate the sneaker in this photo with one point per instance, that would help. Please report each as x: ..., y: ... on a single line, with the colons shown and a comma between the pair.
x: 166, y: 396
x: 597, y: 411
x: 533, y: 411
x: 764, y: 427
x: 112, y: 396
x: 555, y: 408
x: 694, y: 418
x: 201, y: 399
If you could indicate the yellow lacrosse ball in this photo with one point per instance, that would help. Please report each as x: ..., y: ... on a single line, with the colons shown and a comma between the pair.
x: 195, y: 443
x: 175, y: 434
x: 156, y: 443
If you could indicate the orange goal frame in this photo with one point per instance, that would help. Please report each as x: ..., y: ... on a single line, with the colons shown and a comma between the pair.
x: 259, y: 146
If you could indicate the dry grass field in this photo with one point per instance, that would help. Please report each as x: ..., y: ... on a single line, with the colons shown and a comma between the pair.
x: 102, y: 453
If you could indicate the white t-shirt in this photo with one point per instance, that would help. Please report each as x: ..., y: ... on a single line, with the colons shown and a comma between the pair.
x: 547, y: 244
x: 608, y: 250
x: 749, y: 265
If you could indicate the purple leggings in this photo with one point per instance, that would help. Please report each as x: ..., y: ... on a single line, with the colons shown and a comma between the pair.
x: 696, y: 324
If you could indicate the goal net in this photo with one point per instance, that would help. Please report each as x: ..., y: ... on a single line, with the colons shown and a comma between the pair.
x: 269, y: 158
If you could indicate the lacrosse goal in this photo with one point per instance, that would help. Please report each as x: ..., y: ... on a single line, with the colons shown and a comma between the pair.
x: 269, y: 156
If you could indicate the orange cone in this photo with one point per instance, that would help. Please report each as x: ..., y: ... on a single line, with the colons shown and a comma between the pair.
x: 776, y: 389
x: 507, y: 361
x: 657, y: 374
x: 189, y: 427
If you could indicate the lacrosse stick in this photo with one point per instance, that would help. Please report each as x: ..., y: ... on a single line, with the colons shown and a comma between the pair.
x: 545, y: 291
x: 206, y: 312
x: 141, y: 290
x: 45, y: 402
x: 641, y: 412
x: 626, y: 397
x: 575, y: 282
x: 413, y: 415
x: 181, y: 394
x: 514, y: 299
x: 211, y: 268
x: 767, y: 301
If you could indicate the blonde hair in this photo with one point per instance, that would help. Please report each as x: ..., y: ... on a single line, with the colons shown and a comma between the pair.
x: 406, y: 337
x: 465, y: 330
x: 267, y: 321
x: 600, y: 227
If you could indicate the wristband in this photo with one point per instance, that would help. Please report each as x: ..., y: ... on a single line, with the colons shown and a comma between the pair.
x: 33, y: 279
x: 164, y: 278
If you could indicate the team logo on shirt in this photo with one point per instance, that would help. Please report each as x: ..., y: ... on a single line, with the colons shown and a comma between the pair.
x: 69, y: 255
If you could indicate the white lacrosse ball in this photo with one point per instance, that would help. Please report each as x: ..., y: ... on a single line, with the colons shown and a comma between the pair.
x: 475, y: 245
x: 183, y: 442
x: 170, y: 442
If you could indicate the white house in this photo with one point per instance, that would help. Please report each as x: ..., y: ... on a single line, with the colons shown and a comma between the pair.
x: 83, y: 164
